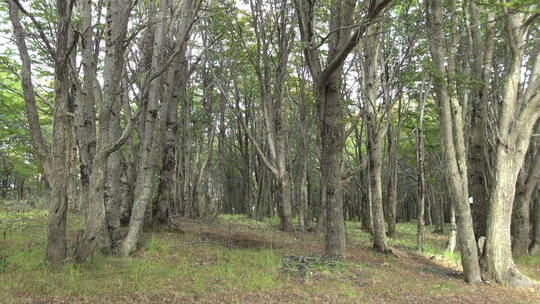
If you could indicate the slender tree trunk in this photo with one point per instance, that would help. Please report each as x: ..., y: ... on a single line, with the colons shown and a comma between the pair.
x: 56, y: 234
x: 375, y: 156
x: 375, y: 134
x: 41, y: 151
x: 85, y: 113
x: 452, y: 236
x: 112, y: 187
x: 452, y: 138
x: 420, y: 178
x: 482, y: 50
x: 146, y: 173
x: 393, y: 149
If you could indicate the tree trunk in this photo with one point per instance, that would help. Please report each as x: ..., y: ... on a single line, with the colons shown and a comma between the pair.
x: 498, y: 253
x: 452, y: 236
x: 85, y: 113
x: 155, y: 121
x: 166, y: 200
x: 146, y: 173
x: 393, y: 149
x: 482, y: 50
x: 535, y: 247
x: 452, y: 138
x: 519, y: 111
x: 375, y: 134
x: 327, y: 91
x: 525, y: 188
x: 375, y: 156
x: 41, y: 151
x: 112, y: 187
x: 420, y: 178
x: 96, y: 234
x: 56, y: 234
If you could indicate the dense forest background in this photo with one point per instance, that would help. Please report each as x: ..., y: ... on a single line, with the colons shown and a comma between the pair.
x: 136, y: 114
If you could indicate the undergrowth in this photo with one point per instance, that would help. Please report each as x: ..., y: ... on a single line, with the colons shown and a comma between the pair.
x: 189, y: 266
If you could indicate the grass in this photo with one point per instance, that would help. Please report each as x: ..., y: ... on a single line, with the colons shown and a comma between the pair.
x: 162, y: 262
x: 405, y: 238
x: 186, y: 267
x: 530, y: 265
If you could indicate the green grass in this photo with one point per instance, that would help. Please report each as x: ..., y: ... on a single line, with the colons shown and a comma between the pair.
x: 243, y: 219
x: 162, y: 265
x: 405, y: 237
x: 179, y: 265
x: 529, y: 265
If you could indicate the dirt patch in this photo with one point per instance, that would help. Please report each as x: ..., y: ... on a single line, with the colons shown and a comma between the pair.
x: 232, y: 236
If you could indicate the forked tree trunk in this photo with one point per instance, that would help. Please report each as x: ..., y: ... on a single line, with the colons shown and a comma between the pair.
x: 96, y: 234
x: 154, y: 125
x: 519, y: 112
x: 328, y: 95
x: 166, y: 206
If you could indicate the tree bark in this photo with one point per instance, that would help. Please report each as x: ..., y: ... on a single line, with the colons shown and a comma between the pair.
x: 96, y: 233
x: 482, y: 50
x: 421, y: 182
x: 327, y: 91
x: 85, y: 113
x: 41, y: 151
x: 56, y: 233
x: 375, y: 133
x: 452, y: 138
x: 525, y: 188
x: 155, y: 121
x: 518, y: 113
x: 535, y: 246
x: 146, y: 173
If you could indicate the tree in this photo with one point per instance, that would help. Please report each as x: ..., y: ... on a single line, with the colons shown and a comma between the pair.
x: 421, y: 179
x: 452, y: 138
x: 517, y: 115
x: 153, y: 134
x: 96, y: 233
x: 271, y: 85
x: 327, y: 82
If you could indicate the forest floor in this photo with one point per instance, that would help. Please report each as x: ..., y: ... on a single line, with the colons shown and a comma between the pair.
x: 233, y: 259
